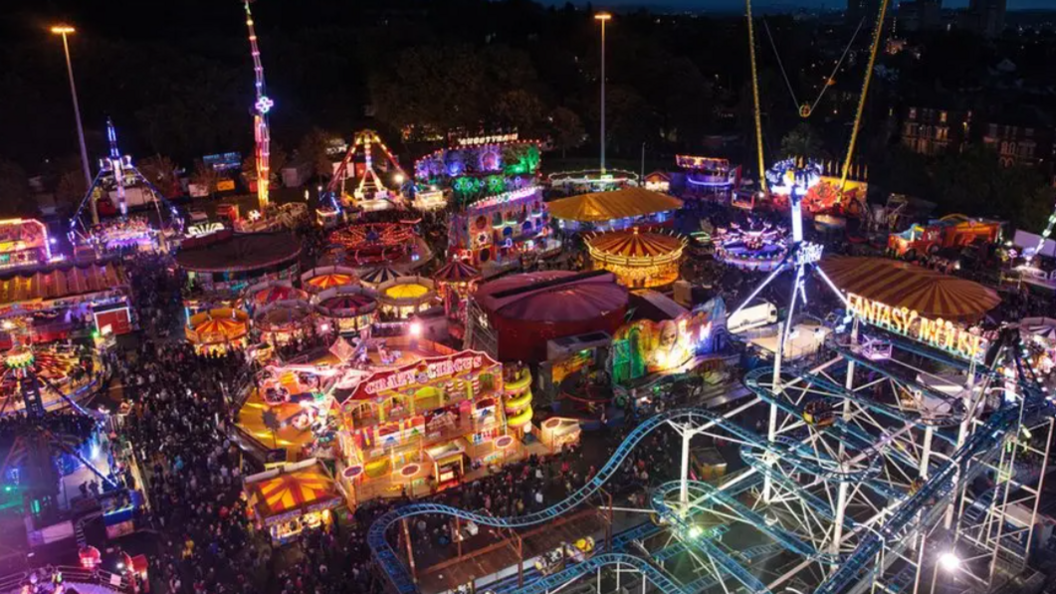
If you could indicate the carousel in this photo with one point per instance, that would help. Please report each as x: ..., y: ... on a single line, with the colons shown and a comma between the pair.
x: 455, y: 281
x: 218, y: 330
x: 638, y: 259
x: 283, y: 322
x: 376, y: 277
x: 350, y: 308
x: 323, y: 278
x: 406, y: 296
x: 756, y: 246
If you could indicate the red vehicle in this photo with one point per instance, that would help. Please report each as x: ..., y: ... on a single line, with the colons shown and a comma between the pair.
x: 951, y: 231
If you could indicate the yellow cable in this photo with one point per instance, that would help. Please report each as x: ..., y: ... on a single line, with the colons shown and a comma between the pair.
x: 865, y: 92
x: 755, y: 97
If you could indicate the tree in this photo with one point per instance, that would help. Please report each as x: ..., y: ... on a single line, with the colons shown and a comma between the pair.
x: 205, y: 177
x: 566, y: 130
x: 313, y: 150
x: 71, y: 187
x: 15, y: 197
x: 520, y: 109
x: 161, y: 171
x: 803, y: 141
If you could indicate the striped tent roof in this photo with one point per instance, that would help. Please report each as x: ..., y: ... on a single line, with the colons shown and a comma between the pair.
x: 322, y: 278
x: 300, y: 489
x: 276, y: 292
x: 901, y: 284
x: 58, y: 283
x: 347, y: 302
x: 382, y: 274
x: 632, y: 244
x: 456, y: 271
x: 607, y: 206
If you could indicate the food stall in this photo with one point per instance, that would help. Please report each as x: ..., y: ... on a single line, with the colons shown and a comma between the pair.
x: 289, y: 499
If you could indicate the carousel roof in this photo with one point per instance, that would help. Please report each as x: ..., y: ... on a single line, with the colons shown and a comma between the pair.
x: 276, y: 292
x: 632, y: 244
x: 347, y: 302
x: 322, y: 278
x: 382, y: 274
x: 284, y: 313
x: 217, y: 325
x: 901, y: 284
x: 60, y: 282
x: 607, y: 206
x: 456, y: 271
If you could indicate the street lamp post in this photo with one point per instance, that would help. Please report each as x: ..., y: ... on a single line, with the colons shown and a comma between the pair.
x: 604, y: 18
x: 65, y: 30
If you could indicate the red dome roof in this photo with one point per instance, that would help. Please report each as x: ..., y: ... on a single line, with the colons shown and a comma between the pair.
x: 553, y: 296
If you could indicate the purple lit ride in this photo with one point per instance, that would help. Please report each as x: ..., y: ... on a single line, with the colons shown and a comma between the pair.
x: 758, y: 245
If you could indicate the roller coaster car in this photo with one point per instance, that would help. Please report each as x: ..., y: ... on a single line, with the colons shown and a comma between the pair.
x: 581, y: 550
x: 551, y: 561
x: 916, y: 485
x: 818, y: 414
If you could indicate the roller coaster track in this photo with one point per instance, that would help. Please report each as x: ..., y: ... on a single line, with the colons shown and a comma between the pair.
x: 703, y: 491
x: 907, y: 516
x: 791, y: 452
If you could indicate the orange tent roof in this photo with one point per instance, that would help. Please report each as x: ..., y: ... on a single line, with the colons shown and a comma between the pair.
x: 297, y: 490
x: 328, y: 281
x: 217, y: 325
x: 606, y: 206
x: 58, y: 283
x: 632, y: 244
x: 901, y: 284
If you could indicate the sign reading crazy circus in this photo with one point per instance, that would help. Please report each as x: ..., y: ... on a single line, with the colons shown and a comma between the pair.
x: 938, y: 333
x: 422, y: 372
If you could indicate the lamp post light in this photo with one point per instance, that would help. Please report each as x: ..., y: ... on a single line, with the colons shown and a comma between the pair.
x: 603, y: 18
x: 65, y: 30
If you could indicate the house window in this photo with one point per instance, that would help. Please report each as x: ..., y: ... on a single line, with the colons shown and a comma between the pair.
x: 912, y: 113
x: 942, y: 117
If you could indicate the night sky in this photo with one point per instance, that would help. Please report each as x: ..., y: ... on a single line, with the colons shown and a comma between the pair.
x: 730, y: 5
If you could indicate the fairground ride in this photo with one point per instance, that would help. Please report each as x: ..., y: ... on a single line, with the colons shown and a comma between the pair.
x: 261, y: 106
x: 868, y: 478
x: 37, y: 442
x: 117, y: 174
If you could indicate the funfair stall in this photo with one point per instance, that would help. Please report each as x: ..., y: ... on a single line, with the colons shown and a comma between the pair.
x: 501, y: 228
x: 284, y: 322
x: 456, y: 280
x: 350, y: 309
x: 430, y: 423
x: 264, y: 294
x: 292, y: 498
x: 406, y: 296
x: 321, y: 278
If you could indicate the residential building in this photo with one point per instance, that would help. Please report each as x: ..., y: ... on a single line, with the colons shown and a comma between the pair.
x: 1020, y: 144
x: 935, y: 131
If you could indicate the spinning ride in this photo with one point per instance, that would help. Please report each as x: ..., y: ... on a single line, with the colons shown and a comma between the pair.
x: 759, y: 245
x: 351, y: 309
x: 322, y: 278
x: 370, y: 244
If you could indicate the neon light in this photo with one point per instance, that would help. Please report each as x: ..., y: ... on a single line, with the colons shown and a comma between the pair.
x: 505, y: 198
x: 264, y: 104
x: 938, y: 333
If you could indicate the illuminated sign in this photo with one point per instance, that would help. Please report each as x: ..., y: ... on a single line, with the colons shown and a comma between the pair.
x: 423, y: 372
x: 505, y: 198
x: 203, y: 229
x: 809, y: 253
x: 492, y: 139
x: 938, y: 333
